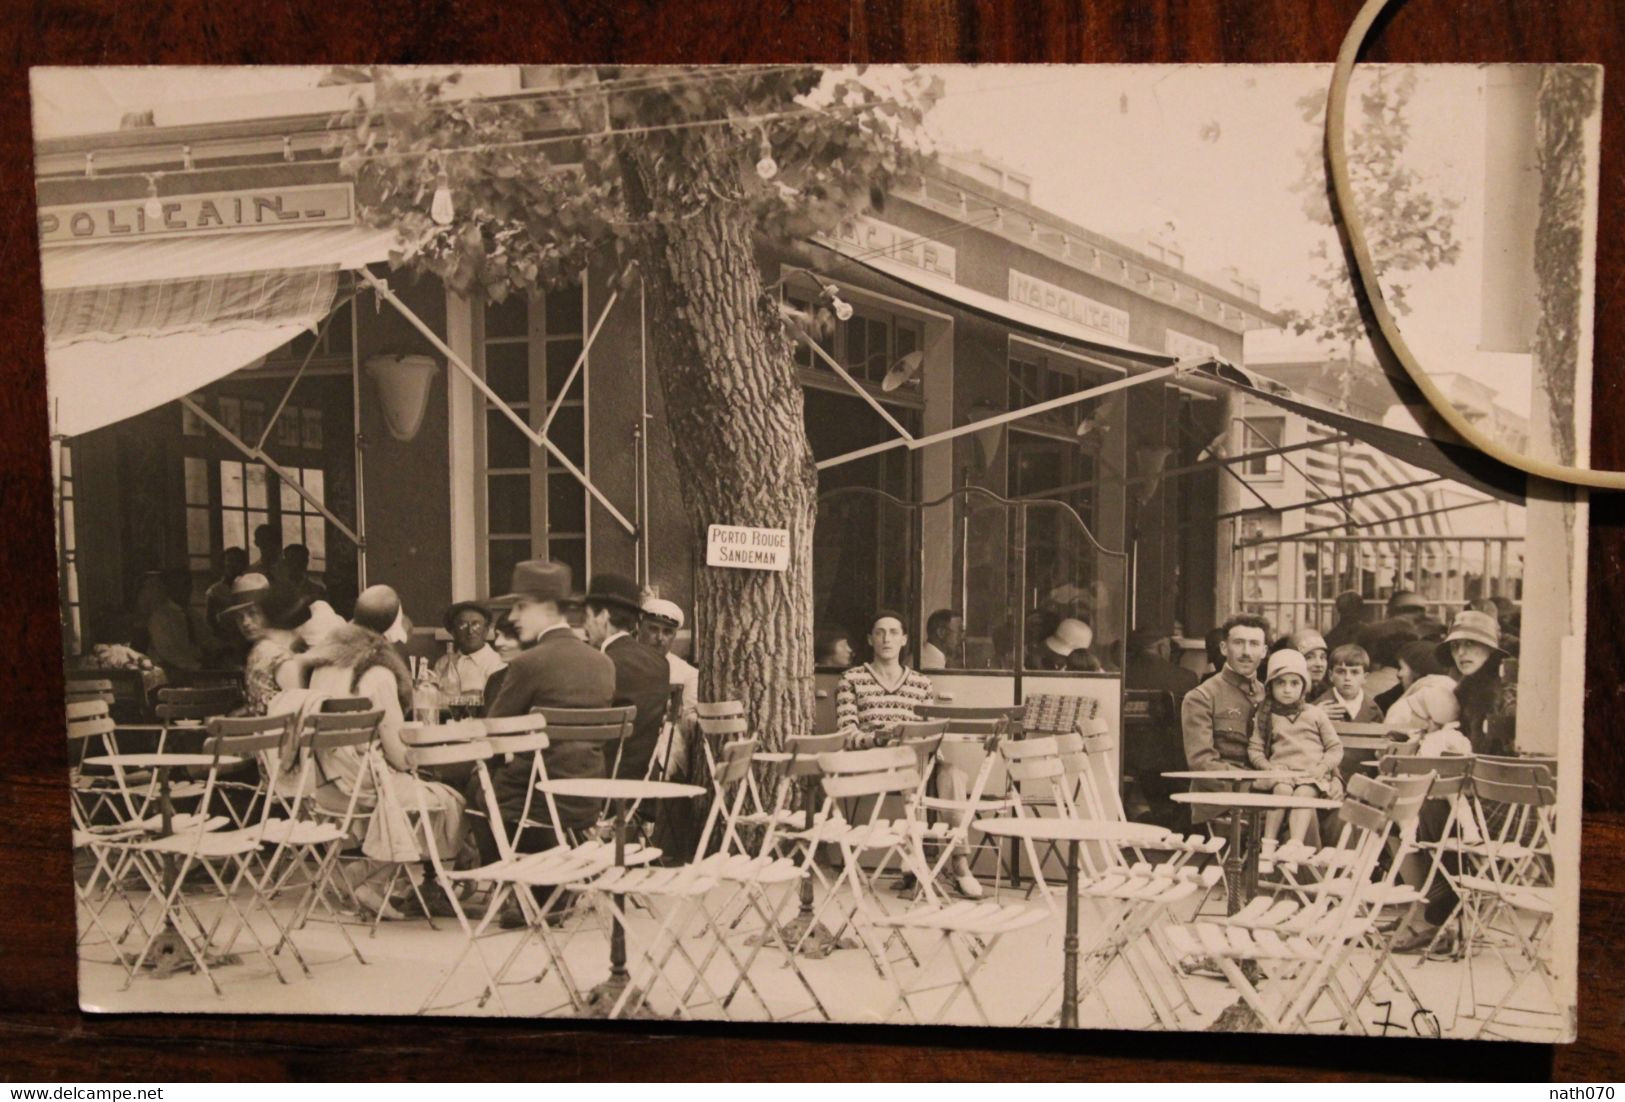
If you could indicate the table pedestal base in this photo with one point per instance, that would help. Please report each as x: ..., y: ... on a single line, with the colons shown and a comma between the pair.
x: 169, y: 956
x: 600, y: 1002
x: 817, y: 945
x: 1238, y: 1017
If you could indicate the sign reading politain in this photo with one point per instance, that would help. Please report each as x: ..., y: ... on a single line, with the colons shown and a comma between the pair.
x: 747, y: 548
x: 268, y: 208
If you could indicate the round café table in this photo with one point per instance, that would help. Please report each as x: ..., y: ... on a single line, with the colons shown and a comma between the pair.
x: 1239, y: 843
x: 163, y: 946
x: 1072, y: 832
x: 619, y: 793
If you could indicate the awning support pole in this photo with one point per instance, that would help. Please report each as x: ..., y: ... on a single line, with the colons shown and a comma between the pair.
x: 360, y: 449
x: 575, y: 370
x: 1308, y: 533
x: 260, y: 457
x: 1301, y: 473
x: 1350, y: 496
x: 270, y: 422
x: 1191, y: 468
x: 1001, y: 418
x: 857, y: 387
x: 531, y: 434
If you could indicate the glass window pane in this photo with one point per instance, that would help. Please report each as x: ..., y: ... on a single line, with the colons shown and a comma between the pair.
x: 508, y: 318
x: 571, y: 551
x: 563, y: 311
x: 73, y: 585
x: 67, y: 462
x: 505, y: 445
x: 566, y: 503
x: 561, y: 357
x: 255, y: 490
x: 198, y: 531
x: 857, y: 345
x: 314, y: 480
x: 257, y: 519
x: 291, y: 501
x: 501, y: 558
x: 567, y: 433
x: 197, y: 481
x: 68, y: 524
x: 232, y: 533
x: 508, y: 504
x: 231, y: 484
x: 316, y: 541
x: 293, y: 529
x: 507, y: 369
x: 879, y: 361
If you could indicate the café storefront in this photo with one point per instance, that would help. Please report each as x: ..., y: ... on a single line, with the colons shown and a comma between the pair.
x: 243, y: 354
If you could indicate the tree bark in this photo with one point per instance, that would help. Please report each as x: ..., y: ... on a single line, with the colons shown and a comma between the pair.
x: 741, y: 449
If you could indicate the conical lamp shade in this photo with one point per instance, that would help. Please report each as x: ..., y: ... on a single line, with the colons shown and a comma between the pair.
x: 403, y: 390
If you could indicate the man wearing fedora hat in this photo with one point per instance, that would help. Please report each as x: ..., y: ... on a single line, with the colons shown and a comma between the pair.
x: 556, y: 671
x: 642, y: 676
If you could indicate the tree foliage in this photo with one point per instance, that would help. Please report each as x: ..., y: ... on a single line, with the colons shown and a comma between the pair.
x: 1408, y: 227
x: 539, y: 182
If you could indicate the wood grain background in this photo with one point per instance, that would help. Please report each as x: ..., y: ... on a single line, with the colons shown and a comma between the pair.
x: 42, y: 1034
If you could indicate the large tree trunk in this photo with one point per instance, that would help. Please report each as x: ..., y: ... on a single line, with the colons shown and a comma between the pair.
x: 735, y: 411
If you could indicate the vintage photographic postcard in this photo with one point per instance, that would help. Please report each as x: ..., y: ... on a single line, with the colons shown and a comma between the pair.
x: 793, y: 543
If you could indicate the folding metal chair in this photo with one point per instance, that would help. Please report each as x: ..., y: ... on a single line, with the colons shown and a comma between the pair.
x: 1309, y: 947
x: 877, y: 774
x: 1508, y: 904
x: 166, y: 861
x: 182, y: 714
x: 325, y: 824
x: 587, y: 742
x: 512, y: 873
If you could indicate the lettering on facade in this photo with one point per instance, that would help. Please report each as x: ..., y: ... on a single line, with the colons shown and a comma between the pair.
x: 1185, y: 346
x: 747, y: 548
x: 879, y: 238
x: 1062, y: 303
x: 190, y: 215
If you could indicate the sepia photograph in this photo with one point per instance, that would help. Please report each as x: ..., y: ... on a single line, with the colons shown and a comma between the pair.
x: 819, y: 544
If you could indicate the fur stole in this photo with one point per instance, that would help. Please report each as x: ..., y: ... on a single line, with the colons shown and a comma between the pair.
x: 360, y: 649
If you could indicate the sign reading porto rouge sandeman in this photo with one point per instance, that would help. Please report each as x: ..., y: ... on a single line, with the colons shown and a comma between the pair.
x: 256, y: 209
x: 744, y: 548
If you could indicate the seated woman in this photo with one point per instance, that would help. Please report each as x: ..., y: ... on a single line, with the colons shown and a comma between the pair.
x: 465, y: 668
x: 268, y: 668
x: 358, y: 660
x: 872, y: 699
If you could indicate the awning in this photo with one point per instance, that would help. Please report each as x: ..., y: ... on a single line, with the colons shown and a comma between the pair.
x: 1457, y: 462
x: 93, y: 384
x: 204, y: 308
x: 998, y: 309
x: 344, y: 247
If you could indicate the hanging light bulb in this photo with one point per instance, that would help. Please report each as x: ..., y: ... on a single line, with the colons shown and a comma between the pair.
x: 441, y: 209
x: 153, y: 208
x: 766, y: 166
x: 843, y: 308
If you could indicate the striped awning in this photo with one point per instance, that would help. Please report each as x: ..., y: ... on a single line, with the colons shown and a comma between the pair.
x: 210, y: 304
x: 132, y: 326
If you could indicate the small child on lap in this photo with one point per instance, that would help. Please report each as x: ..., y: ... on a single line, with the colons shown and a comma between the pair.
x: 1288, y: 733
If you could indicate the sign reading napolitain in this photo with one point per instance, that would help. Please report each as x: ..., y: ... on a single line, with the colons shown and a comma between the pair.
x: 747, y: 548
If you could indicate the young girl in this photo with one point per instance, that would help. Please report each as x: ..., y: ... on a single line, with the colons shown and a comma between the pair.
x: 1287, y: 732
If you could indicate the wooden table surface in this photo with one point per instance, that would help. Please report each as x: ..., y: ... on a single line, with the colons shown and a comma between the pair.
x: 44, y: 1035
